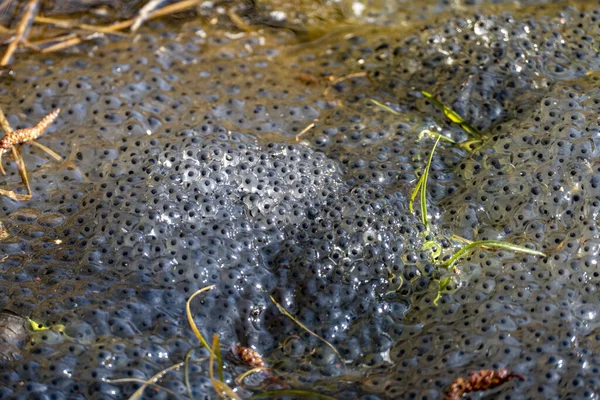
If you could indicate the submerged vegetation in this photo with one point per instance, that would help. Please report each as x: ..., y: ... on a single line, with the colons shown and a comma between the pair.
x: 224, y: 390
x: 421, y: 188
x: 314, y: 255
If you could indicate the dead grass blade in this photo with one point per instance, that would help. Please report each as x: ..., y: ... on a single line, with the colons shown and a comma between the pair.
x: 64, y: 42
x: 68, y: 24
x: 145, y: 384
x: 240, y: 378
x: 304, y: 131
x: 22, y: 169
x: 144, y: 13
x: 221, y: 387
x: 384, y: 107
x: 191, y: 319
x: 301, y: 325
x: 238, y: 21
x: 15, y: 196
x: 489, y: 244
x: 186, y: 372
x: 4, y: 123
x: 50, y: 152
x: 137, y: 395
x: 341, y: 79
x: 22, y: 30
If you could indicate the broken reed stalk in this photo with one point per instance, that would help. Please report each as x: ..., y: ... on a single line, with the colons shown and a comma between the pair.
x: 22, y: 30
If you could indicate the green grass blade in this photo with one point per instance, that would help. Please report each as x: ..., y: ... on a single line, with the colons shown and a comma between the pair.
x: 219, y: 363
x: 383, y: 106
x: 490, y: 243
x: 453, y: 116
x: 424, y: 187
x: 415, y: 193
x: 435, y: 247
x: 423, y: 132
x: 442, y: 285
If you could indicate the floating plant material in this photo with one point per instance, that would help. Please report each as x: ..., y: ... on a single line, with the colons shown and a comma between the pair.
x: 480, y: 381
x: 189, y: 175
x: 453, y: 116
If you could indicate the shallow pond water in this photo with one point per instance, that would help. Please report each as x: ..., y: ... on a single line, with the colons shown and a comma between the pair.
x: 255, y: 161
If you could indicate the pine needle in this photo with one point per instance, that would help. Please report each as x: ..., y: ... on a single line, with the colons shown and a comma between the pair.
x: 63, y: 43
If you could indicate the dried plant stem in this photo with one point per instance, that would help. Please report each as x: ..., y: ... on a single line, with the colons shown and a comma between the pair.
x: 144, y: 13
x: 22, y: 29
x: 63, y: 44
x: 67, y: 24
x: 167, y: 10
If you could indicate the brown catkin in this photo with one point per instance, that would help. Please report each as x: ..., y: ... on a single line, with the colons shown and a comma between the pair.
x: 26, y: 134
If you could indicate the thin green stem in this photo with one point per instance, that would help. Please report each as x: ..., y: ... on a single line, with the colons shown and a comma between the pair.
x: 424, y: 187
x: 489, y: 243
x: 453, y: 116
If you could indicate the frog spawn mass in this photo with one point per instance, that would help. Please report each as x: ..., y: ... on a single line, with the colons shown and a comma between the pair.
x: 113, y: 250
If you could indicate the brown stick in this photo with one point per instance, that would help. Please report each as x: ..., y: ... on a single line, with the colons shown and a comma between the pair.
x: 22, y: 31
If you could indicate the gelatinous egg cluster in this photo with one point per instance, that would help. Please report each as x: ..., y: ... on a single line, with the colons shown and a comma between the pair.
x: 203, y: 158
